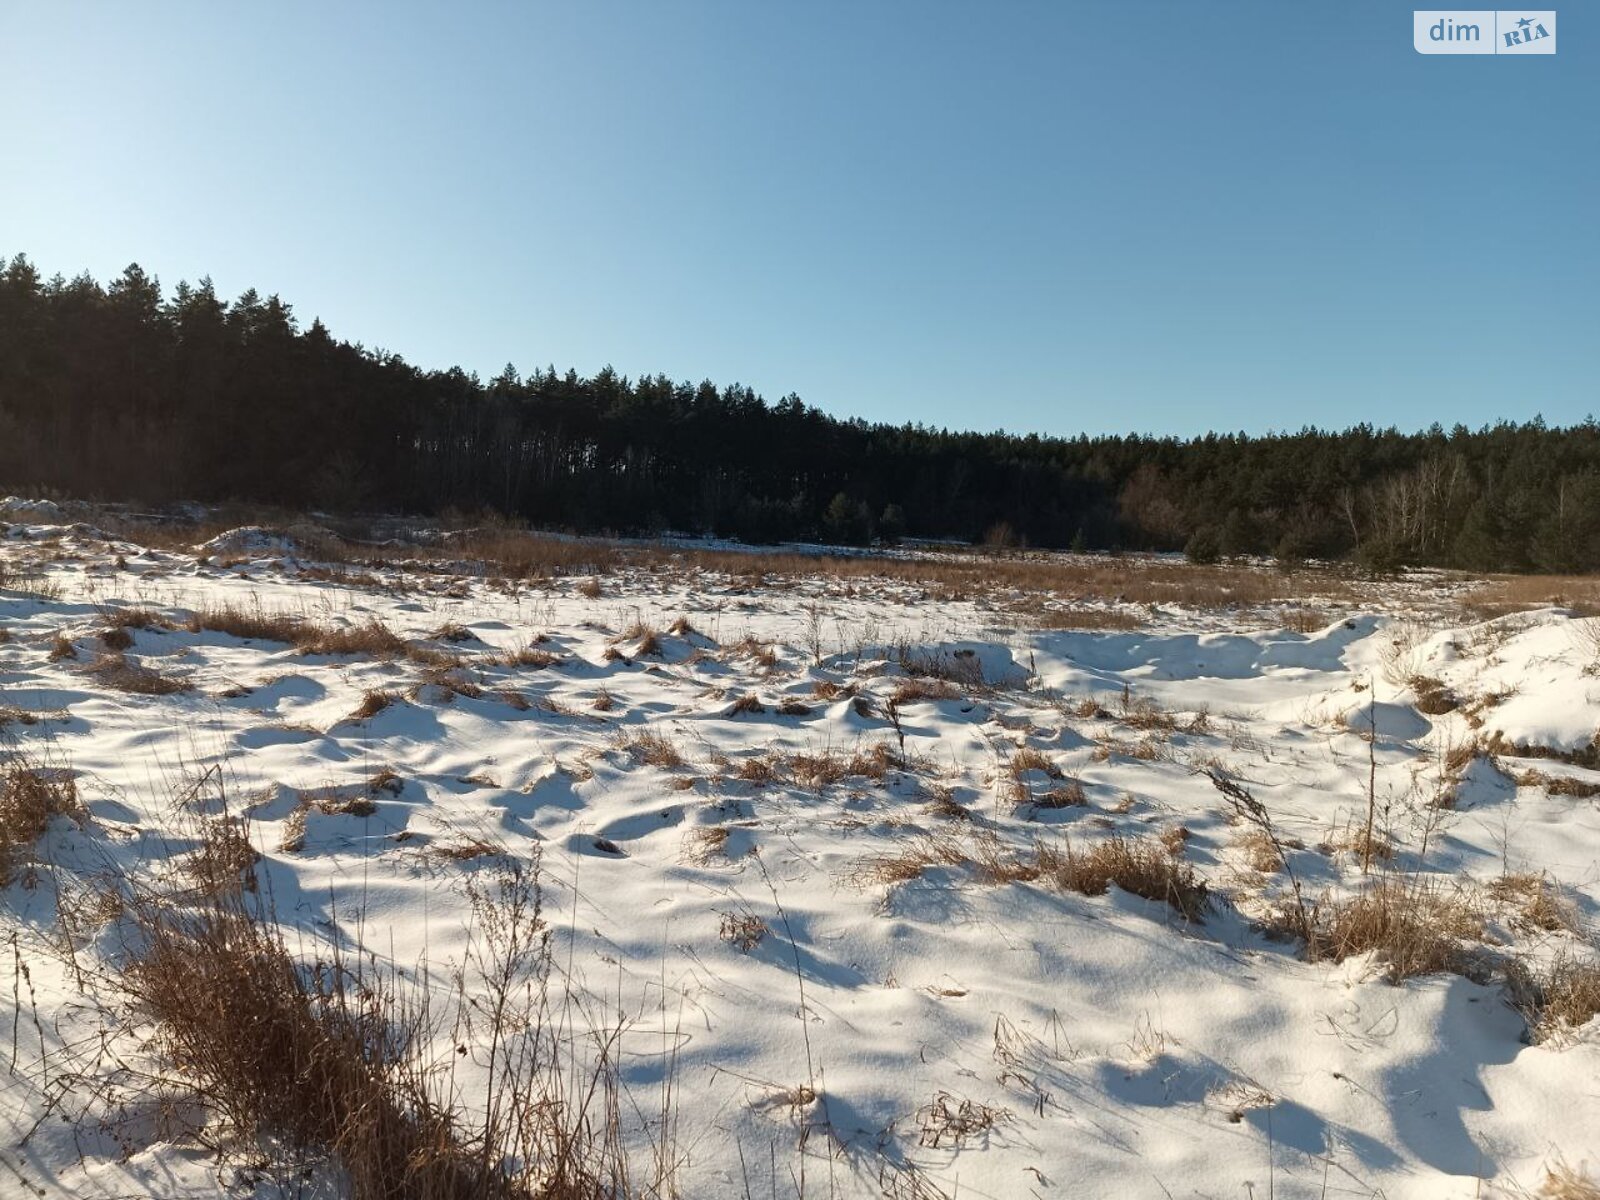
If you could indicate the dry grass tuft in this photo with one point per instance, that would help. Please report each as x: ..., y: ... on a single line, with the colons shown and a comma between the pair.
x: 763, y: 654
x: 467, y: 849
x: 590, y: 589
x: 747, y: 703
x: 1106, y: 620
x: 331, y: 1058
x: 947, y: 1121
x: 1028, y: 759
x: 821, y: 770
x: 1305, y: 620
x: 61, y: 647
x: 373, y: 702
x: 758, y: 770
x: 603, y: 701
x: 706, y: 844
x: 914, y: 691
x: 371, y: 637
x: 31, y: 797
x: 1142, y: 868
x: 1434, y: 698
x: 1563, y: 998
x: 1559, y: 785
x: 647, y: 639
x: 651, y: 748
x: 528, y: 656
x: 1415, y: 926
x: 743, y: 931
x: 125, y: 675
x: 1066, y: 795
x: 1260, y: 851
x: 1539, y: 904
x: 942, y: 803
x: 890, y: 869
x: 388, y: 781
x: 135, y: 618
x: 116, y: 638
x: 225, y: 862
x: 1563, y: 1182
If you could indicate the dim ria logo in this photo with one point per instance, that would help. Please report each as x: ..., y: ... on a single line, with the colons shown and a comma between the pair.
x: 1484, y: 31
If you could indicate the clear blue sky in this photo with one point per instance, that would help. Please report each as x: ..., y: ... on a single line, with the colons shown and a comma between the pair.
x: 1056, y: 216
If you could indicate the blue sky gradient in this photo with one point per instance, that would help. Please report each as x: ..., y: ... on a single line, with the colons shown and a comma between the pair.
x: 1053, y: 217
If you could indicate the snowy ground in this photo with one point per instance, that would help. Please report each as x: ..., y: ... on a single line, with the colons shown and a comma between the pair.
x: 1104, y: 1045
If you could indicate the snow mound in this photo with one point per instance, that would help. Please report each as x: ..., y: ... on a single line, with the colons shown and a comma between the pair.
x: 20, y: 509
x: 249, y: 540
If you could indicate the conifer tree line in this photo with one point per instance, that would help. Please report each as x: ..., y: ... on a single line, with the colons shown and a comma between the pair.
x: 122, y: 392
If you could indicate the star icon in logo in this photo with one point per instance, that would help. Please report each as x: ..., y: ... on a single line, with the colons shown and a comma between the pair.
x: 1525, y: 22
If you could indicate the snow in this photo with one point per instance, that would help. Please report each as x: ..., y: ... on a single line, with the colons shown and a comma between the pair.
x: 1125, y: 1051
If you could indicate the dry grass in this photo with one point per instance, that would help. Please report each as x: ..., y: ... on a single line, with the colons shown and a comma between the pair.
x: 1433, y: 697
x: 1567, y: 1183
x: 1563, y: 1182
x: 1069, y: 794
x: 1561, y: 999
x: 743, y: 931
x: 126, y: 675
x: 1559, y: 785
x: 1518, y: 593
x: 590, y: 589
x: 758, y: 771
x: 946, y: 1121
x: 603, y: 700
x: 892, y: 868
x: 373, y: 702
x: 1414, y: 925
x: 31, y: 797
x: 1104, y: 620
x: 821, y: 770
x: 332, y: 1058
x: 225, y: 862
x: 915, y: 691
x: 386, y: 780
x: 706, y: 844
x: 135, y: 618
x: 467, y: 849
x: 1260, y: 852
x: 1539, y: 904
x: 530, y: 655
x: 1028, y: 759
x: 763, y: 654
x: 1143, y: 868
x: 942, y: 803
x: 747, y: 703
x: 371, y: 638
x: 61, y: 648
x: 646, y: 639
x: 651, y: 748
x: 1305, y: 620
x: 958, y: 574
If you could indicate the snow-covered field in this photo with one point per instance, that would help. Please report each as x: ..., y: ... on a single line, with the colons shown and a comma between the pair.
x: 819, y: 917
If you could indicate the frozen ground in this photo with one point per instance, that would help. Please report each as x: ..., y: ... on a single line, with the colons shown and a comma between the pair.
x: 912, y: 1017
